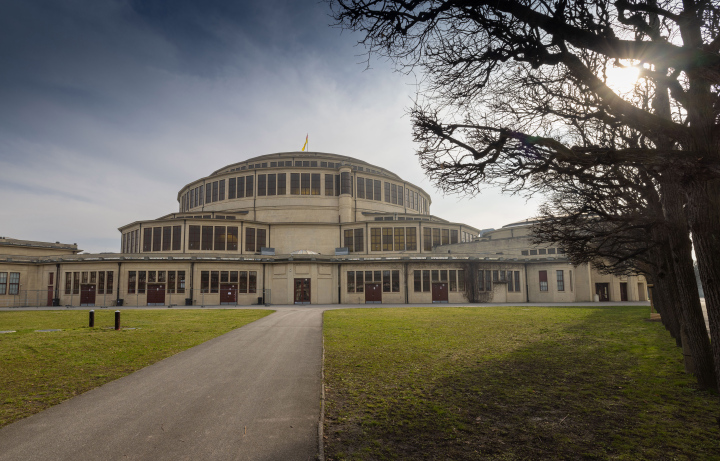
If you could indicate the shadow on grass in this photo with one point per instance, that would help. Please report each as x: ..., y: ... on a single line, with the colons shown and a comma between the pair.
x: 587, y: 392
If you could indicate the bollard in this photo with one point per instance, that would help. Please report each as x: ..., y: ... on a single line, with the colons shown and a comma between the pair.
x: 92, y: 319
x: 117, y: 320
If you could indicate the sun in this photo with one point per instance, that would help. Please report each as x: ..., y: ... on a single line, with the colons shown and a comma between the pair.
x: 622, y: 77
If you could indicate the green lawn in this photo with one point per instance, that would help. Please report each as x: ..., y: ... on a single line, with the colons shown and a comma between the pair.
x: 41, y: 369
x: 511, y: 383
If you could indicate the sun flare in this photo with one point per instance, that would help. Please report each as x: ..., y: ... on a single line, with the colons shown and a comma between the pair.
x: 621, y: 79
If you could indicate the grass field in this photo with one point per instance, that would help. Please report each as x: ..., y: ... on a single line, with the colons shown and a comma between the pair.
x: 41, y: 369
x: 503, y: 383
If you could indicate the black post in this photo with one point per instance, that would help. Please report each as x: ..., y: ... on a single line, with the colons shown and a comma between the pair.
x: 92, y: 319
x: 117, y: 320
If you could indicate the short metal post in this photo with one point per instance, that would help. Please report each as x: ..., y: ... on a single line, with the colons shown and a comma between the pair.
x: 117, y: 320
x: 92, y: 319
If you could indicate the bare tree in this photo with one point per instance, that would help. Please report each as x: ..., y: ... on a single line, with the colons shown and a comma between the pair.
x: 514, y: 89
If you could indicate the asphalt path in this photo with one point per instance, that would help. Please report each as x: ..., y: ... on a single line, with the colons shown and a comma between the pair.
x: 250, y: 394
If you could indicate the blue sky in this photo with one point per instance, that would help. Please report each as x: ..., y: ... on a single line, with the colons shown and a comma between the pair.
x: 107, y: 108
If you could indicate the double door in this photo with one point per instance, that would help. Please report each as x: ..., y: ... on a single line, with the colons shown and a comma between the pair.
x: 439, y: 292
x: 603, y: 291
x: 87, y: 295
x: 156, y: 294
x: 302, y: 291
x: 228, y: 293
x: 373, y: 293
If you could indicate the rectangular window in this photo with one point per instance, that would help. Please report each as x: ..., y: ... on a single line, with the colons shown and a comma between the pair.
x: 387, y: 192
x: 76, y: 283
x: 214, y: 282
x: 261, y: 239
x: 222, y: 190
x: 387, y: 239
x: 232, y: 238
x: 400, y: 195
x: 194, y: 238
x: 435, y: 275
x: 241, y: 187
x: 481, y: 280
x: 461, y: 280
x: 207, y: 238
x: 215, y: 191
x: 7, y: 288
x: 410, y: 239
x: 271, y: 184
x: 295, y: 183
x: 305, y: 184
x: 345, y: 183
x: 329, y: 187
x: 109, y: 283
x: 147, y: 239
x: 359, y: 283
x: 282, y: 183
x: 426, y: 280
x: 517, y: 281
x: 101, y: 282
x: 393, y: 194
x: 252, y: 282
x: 369, y: 189
x: 93, y: 277
x: 166, y: 238
x: 510, y: 286
x: 219, y: 238
x: 208, y: 193
x: 231, y: 188
x: 543, y: 280
x: 151, y: 276
x: 262, y: 185
x: 569, y: 279
x: 132, y: 281
x: 395, y: 281
x: 351, y: 282
x: 156, y: 238
x: 224, y: 276
x: 453, y: 281
x: 368, y: 276
x: 542, y: 251
x: 377, y: 189
x: 161, y: 277
x: 176, y: 238
x: 453, y: 236
x: 495, y: 276
x: 142, y: 280
x: 204, y: 282
x: 435, y: 237
x: 359, y: 240
x: 249, y: 186
x: 360, y: 187
x: 315, y: 184
x: 250, y: 239
x: 561, y: 280
x: 386, y: 281
x: 375, y: 239
x: 242, y: 284
x: 399, y: 239
x: 427, y: 239
x: 181, y: 282
x: 171, y: 282
x: 348, y: 239
x: 68, y: 282
x: 488, y: 281
x: 417, y: 281
x: 445, y: 236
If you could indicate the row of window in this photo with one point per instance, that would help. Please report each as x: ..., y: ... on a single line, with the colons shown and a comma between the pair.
x: 393, y: 239
x: 486, y: 278
x: 302, y: 184
x: 422, y: 279
x: 242, y: 281
x: 9, y: 283
x: 543, y: 251
x: 173, y: 281
x: 99, y: 281
x: 131, y: 241
x: 164, y: 238
x: 301, y: 163
x: 225, y: 238
x: 390, y: 280
x: 433, y: 237
x: 559, y: 278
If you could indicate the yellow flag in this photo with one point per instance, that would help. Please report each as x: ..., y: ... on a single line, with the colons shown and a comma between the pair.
x: 305, y: 145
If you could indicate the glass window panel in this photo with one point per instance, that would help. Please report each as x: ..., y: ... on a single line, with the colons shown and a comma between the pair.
x: 348, y: 239
x: 453, y: 281
x: 181, y: 281
x: 166, y: 238
x: 250, y: 239
x: 388, y: 198
x: 436, y: 237
x: 426, y: 280
x: 224, y: 276
x: 375, y: 239
x: 427, y: 239
x: 132, y: 280
x: 369, y: 189
x: 417, y: 281
x: 377, y: 276
x: 147, y: 239
x: 215, y: 191
x: 261, y: 241
x: 329, y: 187
x: 194, y: 238
x: 461, y: 280
x: 387, y: 233
x: 282, y: 184
x: 262, y: 185
x: 271, y: 184
x: 305, y: 184
x: 241, y: 187
x: 222, y: 190
x: 232, y: 238
x: 386, y: 281
x: 207, y: 238
x: 142, y: 280
x: 219, y: 238
x: 345, y: 183
x: 231, y: 188
x: 249, y: 186
x: 399, y: 239
x: 315, y: 184
x: 351, y: 282
x: 410, y: 239
x: 171, y: 282
x: 252, y: 282
x: 214, y: 282
x: 444, y: 276
x: 395, y: 281
x: 295, y: 183
x: 359, y: 282
x: 243, y: 283
x: 359, y: 240
x: 360, y: 187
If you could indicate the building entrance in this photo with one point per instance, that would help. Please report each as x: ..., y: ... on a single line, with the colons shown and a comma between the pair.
x: 302, y: 291
x: 156, y: 294
x: 228, y: 294
x: 373, y: 293
x: 623, y: 292
x: 439, y: 292
x: 50, y: 295
x: 87, y: 295
x: 603, y: 291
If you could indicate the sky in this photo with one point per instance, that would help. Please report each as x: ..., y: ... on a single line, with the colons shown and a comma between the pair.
x: 108, y: 108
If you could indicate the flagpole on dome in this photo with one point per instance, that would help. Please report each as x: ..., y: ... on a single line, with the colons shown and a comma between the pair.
x: 305, y: 146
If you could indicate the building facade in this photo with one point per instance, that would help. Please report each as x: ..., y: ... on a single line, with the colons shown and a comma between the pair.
x: 304, y: 228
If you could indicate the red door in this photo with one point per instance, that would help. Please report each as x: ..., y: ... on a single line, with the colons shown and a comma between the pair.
x: 50, y: 296
x: 156, y: 294
x: 87, y: 295
x: 302, y: 291
x: 439, y: 292
x: 373, y: 293
x: 228, y: 294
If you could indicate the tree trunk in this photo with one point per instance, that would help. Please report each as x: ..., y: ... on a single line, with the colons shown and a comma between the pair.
x: 696, y: 338
x: 703, y: 212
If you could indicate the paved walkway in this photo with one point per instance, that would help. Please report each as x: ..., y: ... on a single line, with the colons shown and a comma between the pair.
x: 251, y: 394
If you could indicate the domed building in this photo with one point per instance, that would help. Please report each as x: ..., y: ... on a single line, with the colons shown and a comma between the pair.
x: 295, y: 227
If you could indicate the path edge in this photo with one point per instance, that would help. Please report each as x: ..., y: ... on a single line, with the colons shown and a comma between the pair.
x: 321, y: 423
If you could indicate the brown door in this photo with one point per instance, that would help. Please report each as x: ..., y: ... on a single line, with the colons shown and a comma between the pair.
x: 302, y: 291
x: 623, y: 292
x: 439, y: 292
x: 228, y: 294
x: 87, y: 295
x: 373, y: 293
x: 603, y: 291
x: 156, y: 294
x: 50, y: 295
